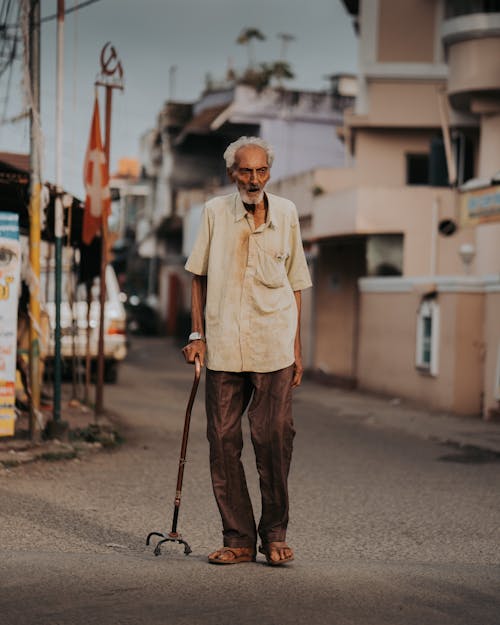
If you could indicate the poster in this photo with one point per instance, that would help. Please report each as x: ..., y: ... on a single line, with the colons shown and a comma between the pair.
x: 480, y: 206
x: 10, y: 267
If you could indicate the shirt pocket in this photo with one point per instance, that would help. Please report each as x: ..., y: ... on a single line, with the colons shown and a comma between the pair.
x: 270, y: 270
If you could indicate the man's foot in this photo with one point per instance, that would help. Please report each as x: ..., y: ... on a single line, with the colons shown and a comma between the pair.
x: 277, y: 553
x: 232, y: 555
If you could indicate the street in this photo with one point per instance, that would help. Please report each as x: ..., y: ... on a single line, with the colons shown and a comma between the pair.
x: 387, y: 528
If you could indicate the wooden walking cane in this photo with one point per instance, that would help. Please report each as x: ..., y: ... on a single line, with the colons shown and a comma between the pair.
x: 173, y: 535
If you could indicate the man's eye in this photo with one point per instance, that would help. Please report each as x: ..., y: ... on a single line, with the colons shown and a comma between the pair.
x: 263, y: 170
x: 6, y: 256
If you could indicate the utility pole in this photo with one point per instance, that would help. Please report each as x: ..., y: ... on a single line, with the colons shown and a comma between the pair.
x: 111, y: 77
x: 172, y: 75
x: 59, y: 211
x: 34, y: 214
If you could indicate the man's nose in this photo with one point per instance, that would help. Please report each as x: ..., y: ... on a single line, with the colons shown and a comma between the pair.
x: 253, y: 176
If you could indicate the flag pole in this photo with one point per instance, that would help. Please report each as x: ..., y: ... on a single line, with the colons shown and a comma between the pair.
x: 99, y: 391
x: 111, y: 78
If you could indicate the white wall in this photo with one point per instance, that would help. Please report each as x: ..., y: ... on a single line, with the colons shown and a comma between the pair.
x: 302, y: 145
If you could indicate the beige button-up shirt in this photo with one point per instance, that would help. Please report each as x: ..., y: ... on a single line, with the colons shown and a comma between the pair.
x: 250, y: 313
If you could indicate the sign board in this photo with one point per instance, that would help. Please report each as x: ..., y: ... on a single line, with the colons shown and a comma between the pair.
x: 10, y: 267
x: 480, y: 206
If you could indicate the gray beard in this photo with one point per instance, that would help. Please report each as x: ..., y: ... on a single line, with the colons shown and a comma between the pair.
x: 247, y: 200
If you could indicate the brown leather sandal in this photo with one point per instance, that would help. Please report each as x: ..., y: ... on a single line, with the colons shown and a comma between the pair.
x: 268, y: 548
x: 237, y: 555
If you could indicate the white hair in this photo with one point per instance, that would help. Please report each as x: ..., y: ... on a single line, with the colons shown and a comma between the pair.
x: 230, y: 153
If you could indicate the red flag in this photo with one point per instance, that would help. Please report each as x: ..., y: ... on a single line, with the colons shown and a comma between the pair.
x: 96, y: 180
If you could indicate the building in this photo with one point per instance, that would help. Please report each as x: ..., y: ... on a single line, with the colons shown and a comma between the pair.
x: 182, y: 157
x: 405, y: 241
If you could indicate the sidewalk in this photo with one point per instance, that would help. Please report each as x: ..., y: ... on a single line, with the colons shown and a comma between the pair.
x: 471, y: 435
x: 83, y: 434
x: 375, y: 411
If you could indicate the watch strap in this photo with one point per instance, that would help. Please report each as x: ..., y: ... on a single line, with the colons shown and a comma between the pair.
x: 196, y: 336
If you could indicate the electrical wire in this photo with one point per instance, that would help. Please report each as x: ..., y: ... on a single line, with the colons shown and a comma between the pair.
x: 48, y: 18
x: 81, y: 5
x: 7, y: 96
x: 7, y: 41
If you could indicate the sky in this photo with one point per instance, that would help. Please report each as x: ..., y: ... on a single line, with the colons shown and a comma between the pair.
x: 198, y: 37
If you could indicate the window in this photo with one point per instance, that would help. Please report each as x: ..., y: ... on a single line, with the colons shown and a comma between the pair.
x: 384, y: 254
x: 454, y: 8
x: 428, y: 336
x: 417, y: 169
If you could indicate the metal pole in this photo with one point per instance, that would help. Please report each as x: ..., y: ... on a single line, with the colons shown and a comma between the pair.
x: 111, y: 78
x: 71, y: 301
x: 86, y: 394
x: 35, y: 190
x: 59, y: 213
x: 445, y: 126
x: 99, y: 401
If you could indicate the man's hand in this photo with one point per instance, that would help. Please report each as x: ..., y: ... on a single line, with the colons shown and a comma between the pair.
x: 193, y: 349
x: 298, y: 370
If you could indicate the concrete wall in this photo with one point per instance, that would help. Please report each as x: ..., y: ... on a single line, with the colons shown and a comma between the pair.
x: 381, y: 155
x: 492, y: 348
x: 406, y: 31
x: 303, y: 188
x: 467, y: 346
x: 339, y: 265
x: 489, y: 147
x: 387, y: 348
x: 412, y: 211
x: 473, y: 65
x: 302, y: 145
x: 401, y: 104
x: 298, y: 189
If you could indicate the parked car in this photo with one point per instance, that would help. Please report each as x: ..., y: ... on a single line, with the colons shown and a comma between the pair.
x: 74, y: 323
x: 142, y: 317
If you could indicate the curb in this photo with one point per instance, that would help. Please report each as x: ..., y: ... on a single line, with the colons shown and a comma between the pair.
x: 92, y: 438
x: 395, y: 413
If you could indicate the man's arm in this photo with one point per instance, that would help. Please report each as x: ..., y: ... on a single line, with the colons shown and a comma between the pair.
x: 198, y: 299
x: 298, y: 369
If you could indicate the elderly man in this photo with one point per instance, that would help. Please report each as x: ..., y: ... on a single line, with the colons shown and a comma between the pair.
x: 249, y: 270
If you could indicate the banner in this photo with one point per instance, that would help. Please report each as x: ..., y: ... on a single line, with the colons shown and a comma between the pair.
x: 10, y: 269
x: 480, y: 206
x: 96, y: 180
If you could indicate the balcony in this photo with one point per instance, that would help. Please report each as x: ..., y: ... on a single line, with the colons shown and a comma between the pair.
x: 472, y: 43
x: 411, y: 211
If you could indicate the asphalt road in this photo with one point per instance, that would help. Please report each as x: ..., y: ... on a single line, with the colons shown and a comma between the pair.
x: 387, y: 528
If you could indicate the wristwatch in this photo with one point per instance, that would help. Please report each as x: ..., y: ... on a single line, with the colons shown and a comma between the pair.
x: 196, y: 336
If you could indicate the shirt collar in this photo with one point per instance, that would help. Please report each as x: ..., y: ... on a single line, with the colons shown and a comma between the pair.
x: 240, y: 211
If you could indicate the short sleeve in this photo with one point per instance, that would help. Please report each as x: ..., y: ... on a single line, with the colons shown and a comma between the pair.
x: 296, y: 264
x: 197, y: 262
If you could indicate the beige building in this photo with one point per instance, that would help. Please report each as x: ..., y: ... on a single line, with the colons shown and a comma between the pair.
x: 405, y: 240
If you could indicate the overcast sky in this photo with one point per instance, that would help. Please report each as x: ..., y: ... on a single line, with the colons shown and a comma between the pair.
x: 196, y: 36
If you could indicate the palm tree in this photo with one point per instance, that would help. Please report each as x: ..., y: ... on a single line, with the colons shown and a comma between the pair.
x: 281, y: 70
x: 261, y: 77
x: 286, y: 38
x: 246, y: 38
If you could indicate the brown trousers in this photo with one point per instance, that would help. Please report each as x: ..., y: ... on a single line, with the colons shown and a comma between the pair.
x: 271, y: 426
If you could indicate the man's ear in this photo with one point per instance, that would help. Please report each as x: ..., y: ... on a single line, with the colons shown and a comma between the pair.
x: 230, y: 173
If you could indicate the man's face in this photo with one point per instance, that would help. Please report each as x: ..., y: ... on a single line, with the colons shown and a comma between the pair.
x: 250, y: 173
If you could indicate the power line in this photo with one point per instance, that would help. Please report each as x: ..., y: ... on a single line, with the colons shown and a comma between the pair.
x: 48, y: 18
x: 7, y: 97
x: 8, y: 49
x: 81, y: 5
